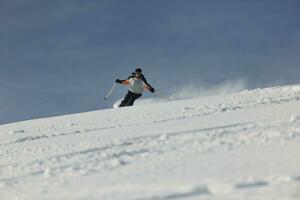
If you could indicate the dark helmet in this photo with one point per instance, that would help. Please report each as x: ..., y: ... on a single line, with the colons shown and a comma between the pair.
x: 138, y: 70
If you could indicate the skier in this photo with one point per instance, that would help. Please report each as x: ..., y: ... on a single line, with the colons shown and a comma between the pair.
x: 136, y: 83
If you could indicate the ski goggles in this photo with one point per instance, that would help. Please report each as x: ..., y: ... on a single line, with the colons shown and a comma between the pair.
x: 137, y: 75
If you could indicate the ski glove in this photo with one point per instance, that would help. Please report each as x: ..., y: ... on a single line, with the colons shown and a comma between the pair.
x: 118, y: 81
x: 152, y: 90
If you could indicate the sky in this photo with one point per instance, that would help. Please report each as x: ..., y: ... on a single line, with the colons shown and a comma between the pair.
x: 61, y: 57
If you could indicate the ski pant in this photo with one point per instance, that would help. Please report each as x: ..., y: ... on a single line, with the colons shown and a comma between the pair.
x: 129, y: 99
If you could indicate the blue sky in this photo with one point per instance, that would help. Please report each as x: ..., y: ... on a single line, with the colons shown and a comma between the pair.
x: 60, y: 57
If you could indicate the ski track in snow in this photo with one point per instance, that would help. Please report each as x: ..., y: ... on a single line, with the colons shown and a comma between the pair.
x: 72, y: 148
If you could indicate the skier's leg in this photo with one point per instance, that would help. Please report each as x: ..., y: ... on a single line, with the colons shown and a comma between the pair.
x: 130, y: 100
x: 133, y: 98
x: 126, y: 99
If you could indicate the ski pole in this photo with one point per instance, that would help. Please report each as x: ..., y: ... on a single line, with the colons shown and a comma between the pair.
x: 111, y: 90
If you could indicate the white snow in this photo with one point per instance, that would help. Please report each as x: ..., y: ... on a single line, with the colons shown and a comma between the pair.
x: 238, y: 146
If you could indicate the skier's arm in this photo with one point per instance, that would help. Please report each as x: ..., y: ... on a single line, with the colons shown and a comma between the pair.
x: 125, y: 82
x: 148, y: 87
x: 144, y: 79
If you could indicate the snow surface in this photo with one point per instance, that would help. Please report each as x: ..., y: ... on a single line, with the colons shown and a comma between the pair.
x: 239, y: 146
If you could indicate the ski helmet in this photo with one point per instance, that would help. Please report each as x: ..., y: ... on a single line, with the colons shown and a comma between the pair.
x: 138, y: 70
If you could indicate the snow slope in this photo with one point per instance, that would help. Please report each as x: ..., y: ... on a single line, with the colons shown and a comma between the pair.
x: 239, y: 146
